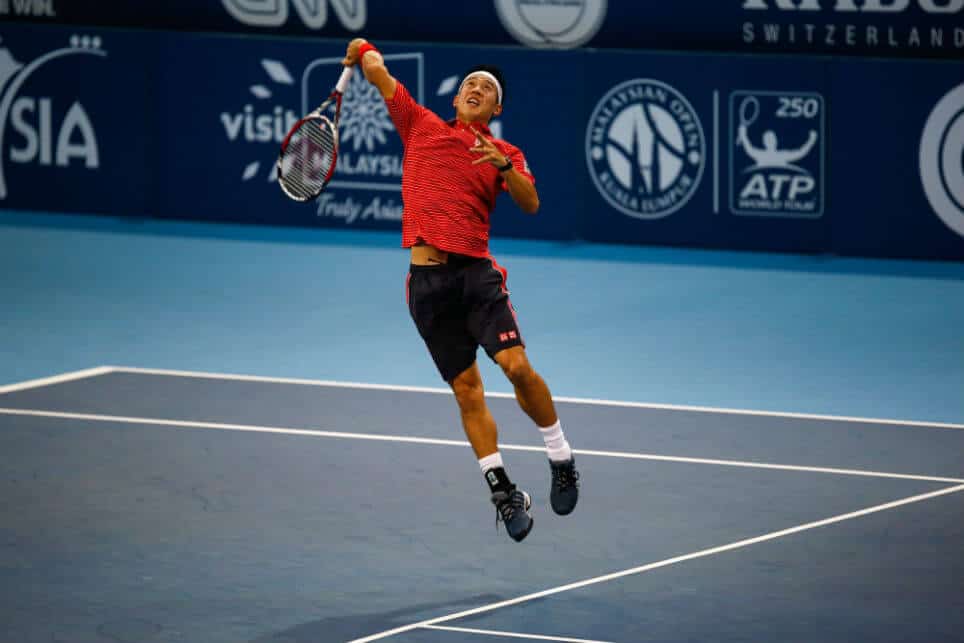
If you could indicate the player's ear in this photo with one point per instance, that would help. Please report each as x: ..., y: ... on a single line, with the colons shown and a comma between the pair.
x: 497, y: 110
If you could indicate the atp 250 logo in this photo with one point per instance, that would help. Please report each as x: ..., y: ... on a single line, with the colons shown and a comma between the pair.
x: 776, y: 154
x: 44, y: 131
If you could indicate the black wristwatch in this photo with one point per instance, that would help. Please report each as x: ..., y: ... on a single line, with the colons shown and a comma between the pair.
x: 507, y: 166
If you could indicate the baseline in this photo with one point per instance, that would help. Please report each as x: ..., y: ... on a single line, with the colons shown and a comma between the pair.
x: 56, y: 379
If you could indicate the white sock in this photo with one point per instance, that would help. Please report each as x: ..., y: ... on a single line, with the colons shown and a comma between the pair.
x: 556, y: 446
x: 491, y: 462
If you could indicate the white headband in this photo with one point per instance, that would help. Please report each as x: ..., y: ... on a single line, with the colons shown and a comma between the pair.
x: 487, y: 76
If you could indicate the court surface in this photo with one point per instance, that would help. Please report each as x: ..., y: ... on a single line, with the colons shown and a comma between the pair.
x: 149, y: 505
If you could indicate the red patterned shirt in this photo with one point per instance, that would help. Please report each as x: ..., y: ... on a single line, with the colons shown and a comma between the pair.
x: 446, y: 200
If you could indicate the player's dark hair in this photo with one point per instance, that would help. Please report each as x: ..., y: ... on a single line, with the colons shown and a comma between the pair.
x: 492, y: 69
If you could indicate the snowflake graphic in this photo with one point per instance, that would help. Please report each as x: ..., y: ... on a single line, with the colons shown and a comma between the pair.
x: 364, y: 117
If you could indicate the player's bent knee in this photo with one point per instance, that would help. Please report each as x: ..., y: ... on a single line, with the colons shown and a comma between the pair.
x: 517, y: 368
x: 468, y: 390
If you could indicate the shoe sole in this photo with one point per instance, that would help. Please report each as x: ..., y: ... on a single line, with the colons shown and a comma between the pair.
x: 565, y: 511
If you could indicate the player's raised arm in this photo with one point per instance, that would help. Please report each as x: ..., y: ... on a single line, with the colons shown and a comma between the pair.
x: 372, y: 64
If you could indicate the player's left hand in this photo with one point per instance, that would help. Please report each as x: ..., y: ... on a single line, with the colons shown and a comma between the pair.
x: 490, y: 153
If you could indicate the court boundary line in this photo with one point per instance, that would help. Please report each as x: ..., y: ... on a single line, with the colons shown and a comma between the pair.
x: 69, y: 376
x: 513, y: 635
x: 320, y: 433
x: 773, y: 535
x: 564, y: 399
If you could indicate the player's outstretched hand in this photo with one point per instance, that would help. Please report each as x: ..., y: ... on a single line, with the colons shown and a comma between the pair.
x: 489, y: 152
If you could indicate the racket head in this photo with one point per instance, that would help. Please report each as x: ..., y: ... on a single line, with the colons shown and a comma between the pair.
x: 308, y: 157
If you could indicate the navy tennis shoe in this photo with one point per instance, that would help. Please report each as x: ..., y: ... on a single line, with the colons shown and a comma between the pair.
x: 512, y: 508
x: 564, y: 491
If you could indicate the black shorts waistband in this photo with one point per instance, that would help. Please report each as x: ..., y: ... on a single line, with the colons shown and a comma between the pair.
x: 455, y: 261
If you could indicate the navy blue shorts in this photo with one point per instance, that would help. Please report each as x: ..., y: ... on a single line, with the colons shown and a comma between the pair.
x: 459, y: 306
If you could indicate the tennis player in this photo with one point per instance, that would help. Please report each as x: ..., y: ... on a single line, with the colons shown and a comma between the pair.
x: 451, y: 175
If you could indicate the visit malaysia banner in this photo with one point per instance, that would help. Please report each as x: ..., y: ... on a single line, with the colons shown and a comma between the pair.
x: 227, y: 103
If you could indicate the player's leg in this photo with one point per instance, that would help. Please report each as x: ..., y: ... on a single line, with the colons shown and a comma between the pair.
x: 477, y: 420
x: 512, y: 504
x: 531, y: 390
x: 493, y: 323
x: 534, y: 398
x: 434, y: 299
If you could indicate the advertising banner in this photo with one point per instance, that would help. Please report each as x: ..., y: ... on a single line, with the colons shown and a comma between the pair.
x: 811, y: 154
x: 76, y: 123
x: 890, y: 28
x: 899, y: 159
x: 697, y: 148
x: 228, y: 102
x: 844, y: 156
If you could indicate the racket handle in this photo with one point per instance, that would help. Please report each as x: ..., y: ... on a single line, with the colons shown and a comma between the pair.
x: 342, y: 83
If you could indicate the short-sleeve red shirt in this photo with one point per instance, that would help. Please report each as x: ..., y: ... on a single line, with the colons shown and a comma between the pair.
x: 446, y: 201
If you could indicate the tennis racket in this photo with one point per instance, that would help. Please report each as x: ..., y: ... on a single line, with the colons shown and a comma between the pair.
x: 309, y: 152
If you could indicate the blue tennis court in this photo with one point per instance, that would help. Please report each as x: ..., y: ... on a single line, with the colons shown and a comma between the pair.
x: 151, y: 505
x: 744, y: 289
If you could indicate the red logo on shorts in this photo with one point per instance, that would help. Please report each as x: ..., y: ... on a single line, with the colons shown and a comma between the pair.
x: 504, y: 337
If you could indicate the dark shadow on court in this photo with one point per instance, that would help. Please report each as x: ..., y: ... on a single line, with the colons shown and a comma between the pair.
x: 346, y: 628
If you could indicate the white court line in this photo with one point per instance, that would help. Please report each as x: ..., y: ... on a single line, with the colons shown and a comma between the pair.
x: 55, y: 379
x: 662, y: 563
x: 570, y: 400
x: 513, y: 635
x: 192, y: 424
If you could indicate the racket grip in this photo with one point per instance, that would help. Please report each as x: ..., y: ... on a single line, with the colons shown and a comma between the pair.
x: 342, y: 83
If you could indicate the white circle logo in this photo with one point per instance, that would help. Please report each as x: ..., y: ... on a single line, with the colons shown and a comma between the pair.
x: 942, y: 159
x: 645, y: 148
x: 552, y: 23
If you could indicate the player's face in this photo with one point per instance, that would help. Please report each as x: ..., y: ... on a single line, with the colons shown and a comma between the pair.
x: 477, y: 100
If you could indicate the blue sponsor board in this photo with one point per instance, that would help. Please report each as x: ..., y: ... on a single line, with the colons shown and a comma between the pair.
x: 848, y: 156
x: 223, y: 124
x: 670, y: 147
x: 76, y: 127
x: 902, y: 28
x: 898, y: 180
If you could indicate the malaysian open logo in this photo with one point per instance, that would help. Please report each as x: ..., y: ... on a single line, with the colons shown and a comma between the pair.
x: 552, y: 23
x: 645, y: 148
x: 46, y: 133
x: 942, y: 159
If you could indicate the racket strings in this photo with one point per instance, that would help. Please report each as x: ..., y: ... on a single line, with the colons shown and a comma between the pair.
x: 307, y: 161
